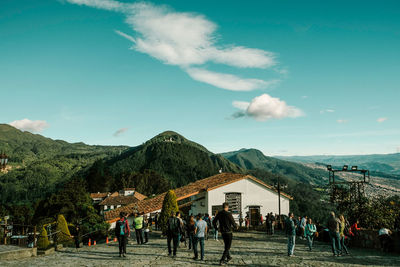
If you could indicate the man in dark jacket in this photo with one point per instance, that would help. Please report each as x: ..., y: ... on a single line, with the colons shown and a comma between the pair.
x: 174, y: 230
x: 333, y: 226
x: 290, y: 227
x: 122, y: 232
x: 226, y: 225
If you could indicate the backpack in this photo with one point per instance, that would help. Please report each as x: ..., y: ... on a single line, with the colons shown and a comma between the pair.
x: 173, y: 225
x: 122, y: 227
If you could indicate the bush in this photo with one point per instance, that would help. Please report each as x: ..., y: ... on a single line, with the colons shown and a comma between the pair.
x: 169, y: 205
x: 43, y: 240
x: 64, y: 236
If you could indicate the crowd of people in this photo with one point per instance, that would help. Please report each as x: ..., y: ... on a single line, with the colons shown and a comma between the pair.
x: 196, y: 229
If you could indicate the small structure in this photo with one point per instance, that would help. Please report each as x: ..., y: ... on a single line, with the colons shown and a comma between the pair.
x: 119, y: 199
x: 245, y: 194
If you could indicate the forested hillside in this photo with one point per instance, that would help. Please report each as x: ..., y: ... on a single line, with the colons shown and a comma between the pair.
x: 254, y: 159
x: 40, y: 165
x: 172, y: 158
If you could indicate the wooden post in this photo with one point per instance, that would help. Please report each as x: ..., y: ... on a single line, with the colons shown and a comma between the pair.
x: 34, y: 236
x: 5, y: 230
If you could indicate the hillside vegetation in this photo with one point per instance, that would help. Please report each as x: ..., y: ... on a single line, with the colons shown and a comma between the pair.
x: 251, y: 159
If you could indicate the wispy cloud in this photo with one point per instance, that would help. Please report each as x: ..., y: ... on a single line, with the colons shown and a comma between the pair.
x: 265, y: 107
x: 29, y: 125
x: 187, y: 40
x: 380, y: 120
x: 342, y: 121
x: 120, y: 131
x: 328, y: 110
x: 228, y: 81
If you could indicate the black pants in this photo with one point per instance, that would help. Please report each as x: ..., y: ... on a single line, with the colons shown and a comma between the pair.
x: 139, y: 236
x: 122, y: 244
x: 146, y: 236
x: 175, y: 239
x: 191, y: 240
x: 227, y: 237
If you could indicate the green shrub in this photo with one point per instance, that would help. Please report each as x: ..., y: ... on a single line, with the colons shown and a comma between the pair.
x: 64, y: 235
x: 169, y: 205
x: 43, y: 240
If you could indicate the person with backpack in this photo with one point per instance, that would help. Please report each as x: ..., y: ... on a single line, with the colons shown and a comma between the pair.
x: 226, y: 224
x: 138, y: 225
x: 208, y: 222
x: 122, y: 232
x: 200, y: 232
x: 174, y: 229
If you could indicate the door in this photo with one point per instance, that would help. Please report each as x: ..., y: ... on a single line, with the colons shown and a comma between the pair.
x: 254, y: 216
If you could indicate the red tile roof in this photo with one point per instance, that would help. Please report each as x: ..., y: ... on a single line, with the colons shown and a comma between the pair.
x: 207, y: 184
x: 123, y: 200
x: 98, y: 195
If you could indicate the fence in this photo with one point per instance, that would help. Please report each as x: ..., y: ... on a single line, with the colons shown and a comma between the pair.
x: 18, y: 234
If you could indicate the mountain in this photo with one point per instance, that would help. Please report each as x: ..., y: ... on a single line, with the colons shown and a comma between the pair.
x: 39, y: 164
x: 251, y: 159
x: 177, y: 159
x: 25, y: 147
x: 376, y: 163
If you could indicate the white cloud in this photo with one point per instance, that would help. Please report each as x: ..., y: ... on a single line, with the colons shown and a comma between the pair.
x: 187, y: 40
x: 304, y: 96
x: 265, y: 107
x: 120, y: 131
x: 228, y: 81
x: 342, y: 121
x: 381, y: 119
x: 30, y: 126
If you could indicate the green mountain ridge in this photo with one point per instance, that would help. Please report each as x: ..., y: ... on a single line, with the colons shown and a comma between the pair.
x: 176, y: 158
x: 251, y: 159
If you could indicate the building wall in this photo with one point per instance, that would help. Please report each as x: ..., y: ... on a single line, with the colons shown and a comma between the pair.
x: 253, y: 194
x: 199, y: 204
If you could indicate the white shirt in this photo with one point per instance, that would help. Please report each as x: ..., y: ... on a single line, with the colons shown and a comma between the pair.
x: 384, y: 231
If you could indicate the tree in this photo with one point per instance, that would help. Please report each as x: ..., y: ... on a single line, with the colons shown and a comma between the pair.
x: 43, y: 240
x: 169, y: 205
x: 63, y: 235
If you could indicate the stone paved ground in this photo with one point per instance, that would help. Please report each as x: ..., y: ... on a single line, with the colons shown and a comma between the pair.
x: 251, y: 249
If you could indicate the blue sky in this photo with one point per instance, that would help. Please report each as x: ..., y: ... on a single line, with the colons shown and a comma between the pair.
x: 285, y: 77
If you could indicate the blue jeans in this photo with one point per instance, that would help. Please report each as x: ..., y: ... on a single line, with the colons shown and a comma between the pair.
x: 335, y: 240
x: 343, y: 246
x: 215, y: 234
x: 201, y: 241
x: 291, y: 244
x: 192, y: 238
x: 310, y: 239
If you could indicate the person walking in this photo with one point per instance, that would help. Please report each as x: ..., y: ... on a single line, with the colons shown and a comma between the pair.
x: 215, y: 232
x: 309, y: 233
x: 174, y: 229
x: 226, y: 224
x: 146, y: 227
x: 190, y: 227
x: 207, y: 219
x: 273, y: 220
x: 156, y: 219
x: 122, y: 232
x: 333, y: 227
x: 342, y: 227
x: 290, y: 228
x: 200, y: 232
x: 303, y: 224
x: 138, y: 225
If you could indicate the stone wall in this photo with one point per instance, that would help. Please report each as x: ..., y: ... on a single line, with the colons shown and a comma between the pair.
x: 369, y: 239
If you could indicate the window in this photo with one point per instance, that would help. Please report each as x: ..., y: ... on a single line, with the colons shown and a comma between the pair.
x: 216, y: 208
x: 235, y: 202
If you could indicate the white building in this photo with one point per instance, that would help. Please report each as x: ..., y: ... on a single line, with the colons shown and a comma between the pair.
x: 245, y: 194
